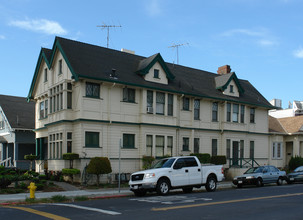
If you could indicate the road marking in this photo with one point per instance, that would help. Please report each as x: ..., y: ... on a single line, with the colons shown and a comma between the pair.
x: 45, y: 214
x: 88, y: 208
x: 170, y: 200
x: 225, y: 202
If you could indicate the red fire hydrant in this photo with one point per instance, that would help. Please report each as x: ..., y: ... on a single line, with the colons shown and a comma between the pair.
x: 32, y: 188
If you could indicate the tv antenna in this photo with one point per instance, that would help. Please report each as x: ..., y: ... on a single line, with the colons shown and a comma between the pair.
x: 177, y: 46
x: 108, y: 27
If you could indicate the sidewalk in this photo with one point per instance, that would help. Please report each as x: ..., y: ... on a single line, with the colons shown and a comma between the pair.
x: 74, y: 192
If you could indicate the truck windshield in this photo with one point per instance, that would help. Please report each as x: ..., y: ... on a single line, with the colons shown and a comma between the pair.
x: 165, y: 163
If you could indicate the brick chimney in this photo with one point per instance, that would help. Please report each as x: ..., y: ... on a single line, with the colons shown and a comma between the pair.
x: 224, y: 70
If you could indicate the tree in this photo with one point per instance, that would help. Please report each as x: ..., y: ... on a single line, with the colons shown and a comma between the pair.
x: 71, y: 157
x: 99, y: 166
x: 30, y: 158
x: 70, y: 173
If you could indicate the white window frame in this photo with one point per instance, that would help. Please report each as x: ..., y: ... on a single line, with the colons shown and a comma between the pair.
x: 277, y: 150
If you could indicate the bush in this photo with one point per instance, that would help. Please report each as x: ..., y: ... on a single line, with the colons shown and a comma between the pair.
x: 147, y: 161
x: 70, y: 173
x: 295, y: 162
x: 218, y: 160
x: 203, y: 158
x: 23, y: 185
x: 30, y: 157
x: 42, y: 177
x: 40, y: 186
x: 5, y: 181
x: 98, y: 166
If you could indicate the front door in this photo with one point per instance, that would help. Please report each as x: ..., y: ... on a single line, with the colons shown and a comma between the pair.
x: 289, y: 151
x: 235, y: 153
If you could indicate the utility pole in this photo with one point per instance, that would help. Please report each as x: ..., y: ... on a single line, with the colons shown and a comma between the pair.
x: 177, y: 46
x: 108, y: 27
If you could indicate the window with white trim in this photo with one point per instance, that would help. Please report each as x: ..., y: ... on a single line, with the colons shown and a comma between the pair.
x: 277, y: 148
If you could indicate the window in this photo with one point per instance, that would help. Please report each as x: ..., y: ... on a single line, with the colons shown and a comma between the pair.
x: 69, y: 142
x: 252, y: 115
x: 228, y: 148
x: 159, y: 146
x: 241, y: 148
x: 91, y: 139
x: 56, y: 98
x: 42, y: 110
x: 242, y: 113
x: 196, y: 145
x: 55, y: 146
x: 214, y: 147
x: 228, y: 112
x: 251, y: 149
x: 45, y: 75
x: 46, y: 108
x: 60, y: 67
x: 185, y: 144
x: 231, y: 89
x: 277, y: 150
x: 156, y: 73
x: 69, y: 100
x: 2, y: 125
x: 149, y: 145
x: 197, y: 109
x: 235, y: 112
x: 149, y: 99
x: 92, y: 90
x: 128, y: 141
x: 186, y: 103
x: 160, y: 103
x: 129, y: 95
x: 169, y: 145
x: 170, y: 104
x: 215, y: 111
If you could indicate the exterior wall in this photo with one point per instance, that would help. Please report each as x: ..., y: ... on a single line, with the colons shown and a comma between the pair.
x: 162, y: 75
x: 112, y: 117
x: 282, y: 113
x: 235, y: 92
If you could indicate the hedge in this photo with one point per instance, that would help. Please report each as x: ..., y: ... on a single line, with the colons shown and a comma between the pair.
x: 218, y: 160
x: 295, y: 162
x: 203, y: 158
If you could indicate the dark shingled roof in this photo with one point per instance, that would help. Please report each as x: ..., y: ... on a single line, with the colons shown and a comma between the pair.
x: 19, y: 113
x: 95, y: 62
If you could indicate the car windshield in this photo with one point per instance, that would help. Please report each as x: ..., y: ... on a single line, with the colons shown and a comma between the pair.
x: 254, y: 170
x: 299, y: 169
x: 165, y: 163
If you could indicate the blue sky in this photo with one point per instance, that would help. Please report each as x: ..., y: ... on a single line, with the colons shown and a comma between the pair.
x: 261, y: 40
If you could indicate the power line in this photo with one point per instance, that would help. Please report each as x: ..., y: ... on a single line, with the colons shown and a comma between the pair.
x: 108, y: 27
x: 177, y: 46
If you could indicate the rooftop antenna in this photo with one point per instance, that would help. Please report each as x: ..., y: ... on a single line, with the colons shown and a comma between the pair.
x: 177, y: 46
x: 103, y: 26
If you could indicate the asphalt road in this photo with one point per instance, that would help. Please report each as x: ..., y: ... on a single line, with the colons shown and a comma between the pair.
x: 268, y: 202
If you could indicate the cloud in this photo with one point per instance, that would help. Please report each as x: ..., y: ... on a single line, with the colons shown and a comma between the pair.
x: 2, y: 37
x: 298, y: 53
x: 247, y: 32
x: 153, y: 8
x: 267, y: 42
x: 41, y: 25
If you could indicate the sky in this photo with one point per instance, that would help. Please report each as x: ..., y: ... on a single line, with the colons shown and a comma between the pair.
x: 261, y: 40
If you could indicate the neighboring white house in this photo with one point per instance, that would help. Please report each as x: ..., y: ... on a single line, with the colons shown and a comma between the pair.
x: 294, y: 109
x: 89, y: 99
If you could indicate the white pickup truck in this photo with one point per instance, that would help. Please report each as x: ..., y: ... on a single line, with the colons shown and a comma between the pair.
x: 176, y: 172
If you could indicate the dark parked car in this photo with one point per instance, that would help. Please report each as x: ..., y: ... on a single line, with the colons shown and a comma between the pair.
x: 296, y: 176
x: 260, y: 175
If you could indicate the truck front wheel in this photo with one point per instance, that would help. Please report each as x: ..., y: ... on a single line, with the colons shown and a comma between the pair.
x: 211, y: 184
x: 163, y: 187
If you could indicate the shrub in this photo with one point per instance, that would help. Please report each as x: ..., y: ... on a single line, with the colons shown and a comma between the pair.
x: 42, y: 177
x: 30, y: 157
x: 147, y: 161
x: 5, y: 181
x: 70, y: 157
x: 40, y: 186
x: 203, y: 158
x: 23, y: 185
x: 98, y: 166
x: 295, y: 162
x: 2, y: 168
x: 218, y: 160
x: 70, y: 173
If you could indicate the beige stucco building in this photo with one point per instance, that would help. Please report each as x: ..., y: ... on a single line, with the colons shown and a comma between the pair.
x: 96, y: 101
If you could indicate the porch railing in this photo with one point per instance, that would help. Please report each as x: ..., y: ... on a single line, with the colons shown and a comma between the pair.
x: 8, y: 162
x: 243, y: 162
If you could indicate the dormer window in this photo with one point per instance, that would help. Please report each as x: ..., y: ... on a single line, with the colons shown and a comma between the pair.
x: 231, y: 89
x: 156, y: 73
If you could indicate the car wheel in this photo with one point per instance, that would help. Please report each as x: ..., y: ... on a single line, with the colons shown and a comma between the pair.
x: 211, y: 184
x: 259, y: 182
x: 187, y: 189
x: 140, y: 193
x: 279, y: 181
x: 163, y: 187
x: 239, y: 186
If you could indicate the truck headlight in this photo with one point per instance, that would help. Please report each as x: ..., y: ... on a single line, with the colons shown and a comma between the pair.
x: 149, y: 175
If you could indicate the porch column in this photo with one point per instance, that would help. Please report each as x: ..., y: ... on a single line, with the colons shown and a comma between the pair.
x: 296, y: 149
x: 37, y: 146
x: 16, y: 149
x: 41, y: 149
